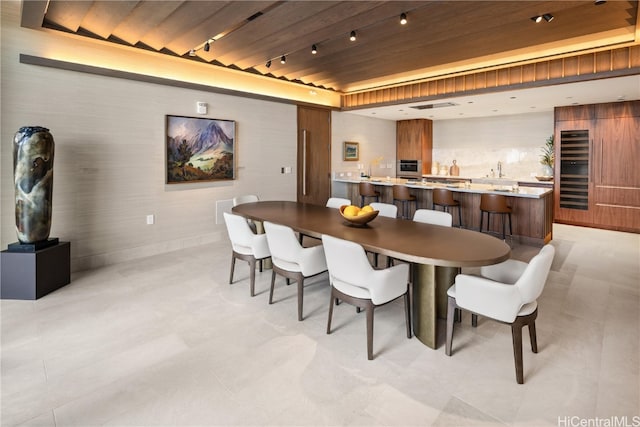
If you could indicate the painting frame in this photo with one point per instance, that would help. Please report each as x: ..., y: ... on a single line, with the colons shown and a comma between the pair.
x: 207, y: 152
x: 351, y: 151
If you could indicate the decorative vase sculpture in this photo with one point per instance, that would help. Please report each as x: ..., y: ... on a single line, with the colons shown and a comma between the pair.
x: 33, y: 150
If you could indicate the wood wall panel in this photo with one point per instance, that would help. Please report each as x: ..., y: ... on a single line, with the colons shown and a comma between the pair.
x: 624, y: 61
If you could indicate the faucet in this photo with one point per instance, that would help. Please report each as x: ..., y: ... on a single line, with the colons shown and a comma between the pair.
x: 500, y: 175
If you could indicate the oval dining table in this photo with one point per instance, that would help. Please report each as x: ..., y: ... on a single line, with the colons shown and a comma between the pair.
x: 436, y: 253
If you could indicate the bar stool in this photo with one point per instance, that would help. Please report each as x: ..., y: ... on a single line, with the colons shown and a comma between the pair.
x: 367, y: 190
x: 401, y: 194
x: 443, y: 197
x: 494, y: 203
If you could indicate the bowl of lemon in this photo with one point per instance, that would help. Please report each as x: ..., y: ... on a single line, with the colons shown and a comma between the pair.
x: 358, y: 216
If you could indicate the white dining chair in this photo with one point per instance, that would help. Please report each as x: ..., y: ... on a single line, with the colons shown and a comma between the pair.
x: 336, y: 202
x: 430, y: 216
x: 385, y: 209
x: 505, y: 292
x: 354, y: 281
x: 291, y: 260
x: 246, y: 245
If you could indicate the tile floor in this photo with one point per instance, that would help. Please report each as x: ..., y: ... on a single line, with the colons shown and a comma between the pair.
x: 167, y: 341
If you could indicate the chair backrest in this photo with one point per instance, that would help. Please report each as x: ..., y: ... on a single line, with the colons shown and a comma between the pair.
x: 443, y: 197
x: 242, y: 238
x: 247, y: 198
x: 283, y: 243
x: 346, y: 261
x: 534, y: 277
x: 401, y: 192
x: 336, y: 202
x: 433, y: 217
x: 239, y: 231
x: 494, y: 203
x: 385, y: 209
x: 367, y: 189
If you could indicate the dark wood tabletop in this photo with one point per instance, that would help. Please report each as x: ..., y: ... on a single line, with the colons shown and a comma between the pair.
x: 402, y: 239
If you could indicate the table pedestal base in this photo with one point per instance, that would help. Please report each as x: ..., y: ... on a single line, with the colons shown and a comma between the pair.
x: 430, y: 285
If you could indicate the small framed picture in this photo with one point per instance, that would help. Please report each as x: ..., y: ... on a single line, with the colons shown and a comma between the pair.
x: 351, y: 151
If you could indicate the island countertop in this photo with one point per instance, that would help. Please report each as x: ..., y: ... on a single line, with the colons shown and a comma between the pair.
x: 507, y: 190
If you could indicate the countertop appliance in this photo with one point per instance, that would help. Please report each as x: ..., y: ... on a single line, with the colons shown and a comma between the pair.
x: 409, y: 169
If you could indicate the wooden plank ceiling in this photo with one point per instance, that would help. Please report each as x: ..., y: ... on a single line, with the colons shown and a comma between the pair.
x: 248, y: 34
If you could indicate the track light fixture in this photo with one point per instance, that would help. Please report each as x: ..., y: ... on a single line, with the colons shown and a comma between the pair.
x: 599, y: 2
x: 283, y: 59
x: 192, y: 52
x: 268, y: 64
x: 207, y: 46
x: 547, y: 17
x: 352, y: 36
x: 314, y: 49
x: 403, y: 18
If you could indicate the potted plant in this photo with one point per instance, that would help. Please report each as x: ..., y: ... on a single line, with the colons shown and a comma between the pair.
x: 547, y: 158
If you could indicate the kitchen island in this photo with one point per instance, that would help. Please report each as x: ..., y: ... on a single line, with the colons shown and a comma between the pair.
x: 532, y: 207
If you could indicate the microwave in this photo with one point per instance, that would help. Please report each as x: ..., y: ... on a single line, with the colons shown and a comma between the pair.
x: 409, y: 168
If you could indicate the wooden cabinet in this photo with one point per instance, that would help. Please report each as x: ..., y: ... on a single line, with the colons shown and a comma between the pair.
x: 414, y: 141
x: 597, y: 175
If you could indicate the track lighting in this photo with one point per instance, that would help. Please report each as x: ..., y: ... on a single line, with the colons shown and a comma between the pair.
x: 548, y: 17
x: 192, y: 52
x: 536, y: 19
x: 599, y: 2
x: 403, y: 18
x: 268, y: 64
x: 283, y: 59
x: 352, y: 36
x: 314, y: 49
x: 207, y: 47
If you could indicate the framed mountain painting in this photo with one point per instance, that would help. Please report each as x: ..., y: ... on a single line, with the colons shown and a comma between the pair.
x: 200, y: 149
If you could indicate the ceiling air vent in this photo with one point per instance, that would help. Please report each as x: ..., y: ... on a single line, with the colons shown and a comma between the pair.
x: 439, y: 105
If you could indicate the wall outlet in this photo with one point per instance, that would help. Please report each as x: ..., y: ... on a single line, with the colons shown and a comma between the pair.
x: 150, y: 219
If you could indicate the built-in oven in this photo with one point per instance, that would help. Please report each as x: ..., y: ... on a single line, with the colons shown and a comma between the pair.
x: 409, y: 169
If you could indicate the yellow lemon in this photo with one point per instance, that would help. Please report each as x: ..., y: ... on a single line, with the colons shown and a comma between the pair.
x: 351, y: 210
x: 362, y: 212
x: 366, y: 208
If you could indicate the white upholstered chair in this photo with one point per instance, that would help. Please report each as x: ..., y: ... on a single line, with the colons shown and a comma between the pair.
x: 506, y: 292
x: 385, y: 209
x: 355, y: 281
x: 433, y: 217
x: 336, y: 202
x: 246, y: 245
x: 291, y: 260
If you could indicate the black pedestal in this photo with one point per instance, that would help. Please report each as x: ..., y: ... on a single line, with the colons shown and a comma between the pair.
x: 32, y: 275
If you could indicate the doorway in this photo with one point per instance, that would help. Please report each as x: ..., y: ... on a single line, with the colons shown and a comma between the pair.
x: 314, y: 155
